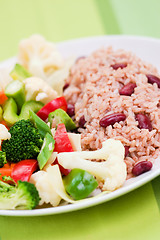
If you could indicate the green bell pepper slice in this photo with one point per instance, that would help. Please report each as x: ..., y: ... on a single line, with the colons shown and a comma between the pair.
x: 10, y: 110
x: 46, y: 151
x: 60, y: 116
x: 79, y: 183
x: 15, y: 89
x: 19, y: 73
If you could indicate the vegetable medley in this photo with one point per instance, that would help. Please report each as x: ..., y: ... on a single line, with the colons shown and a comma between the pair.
x: 41, y: 161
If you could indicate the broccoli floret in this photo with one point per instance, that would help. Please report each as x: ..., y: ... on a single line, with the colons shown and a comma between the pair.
x: 2, y: 159
x: 21, y: 196
x: 25, y: 142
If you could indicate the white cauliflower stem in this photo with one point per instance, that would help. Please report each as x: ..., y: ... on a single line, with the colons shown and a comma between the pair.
x: 4, y: 134
x: 112, y: 171
x: 37, y: 89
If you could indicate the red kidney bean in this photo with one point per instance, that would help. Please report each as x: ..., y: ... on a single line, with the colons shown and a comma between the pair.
x: 141, y: 167
x: 70, y: 109
x: 119, y: 65
x: 82, y: 122
x: 153, y: 79
x: 127, y: 89
x: 143, y: 122
x: 111, y: 119
x: 126, y: 150
x: 65, y: 86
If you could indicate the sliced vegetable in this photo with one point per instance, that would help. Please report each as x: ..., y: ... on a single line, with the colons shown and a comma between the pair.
x: 10, y: 110
x: 60, y: 116
x: 15, y: 90
x: 6, y: 170
x: 1, y: 113
x: 46, y: 150
x: 19, y: 73
x: 79, y: 183
x: 52, y: 106
x: 30, y: 106
x: 62, y: 142
x: 42, y: 127
x: 24, y: 169
x: 3, y: 97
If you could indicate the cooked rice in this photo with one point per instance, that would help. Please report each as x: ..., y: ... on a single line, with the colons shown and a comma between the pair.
x: 94, y: 89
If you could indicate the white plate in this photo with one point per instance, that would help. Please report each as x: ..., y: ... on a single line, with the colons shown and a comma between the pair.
x: 146, y: 48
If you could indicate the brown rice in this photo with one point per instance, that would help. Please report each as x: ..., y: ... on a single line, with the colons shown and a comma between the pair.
x: 94, y: 89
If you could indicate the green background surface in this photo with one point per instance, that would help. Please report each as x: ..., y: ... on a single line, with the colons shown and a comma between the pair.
x: 132, y: 216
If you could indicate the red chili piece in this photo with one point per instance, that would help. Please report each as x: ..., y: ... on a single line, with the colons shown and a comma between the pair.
x: 24, y: 169
x: 70, y: 109
x: 119, y: 65
x: 143, y: 122
x: 111, y: 119
x: 141, y: 167
x: 51, y: 106
x: 153, y: 79
x: 127, y: 89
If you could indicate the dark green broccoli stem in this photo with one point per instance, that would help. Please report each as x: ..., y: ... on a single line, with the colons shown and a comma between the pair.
x: 25, y: 142
x: 2, y: 159
x: 21, y: 196
x: 19, y: 73
x: 10, y: 110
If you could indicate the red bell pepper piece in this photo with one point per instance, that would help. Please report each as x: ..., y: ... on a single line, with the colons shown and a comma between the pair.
x: 24, y: 169
x: 62, y: 144
x: 52, y: 106
x: 3, y: 97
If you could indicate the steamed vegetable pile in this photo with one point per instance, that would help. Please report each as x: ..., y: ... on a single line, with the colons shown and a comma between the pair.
x: 41, y: 161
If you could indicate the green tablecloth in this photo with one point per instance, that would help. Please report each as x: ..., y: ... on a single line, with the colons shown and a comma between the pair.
x: 135, y: 215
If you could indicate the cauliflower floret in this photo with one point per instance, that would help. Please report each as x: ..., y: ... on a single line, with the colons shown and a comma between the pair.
x: 57, y: 79
x: 111, y: 172
x: 37, y: 89
x: 43, y: 60
x: 50, y: 186
x: 4, y: 134
x: 39, y: 56
x: 45, y: 188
